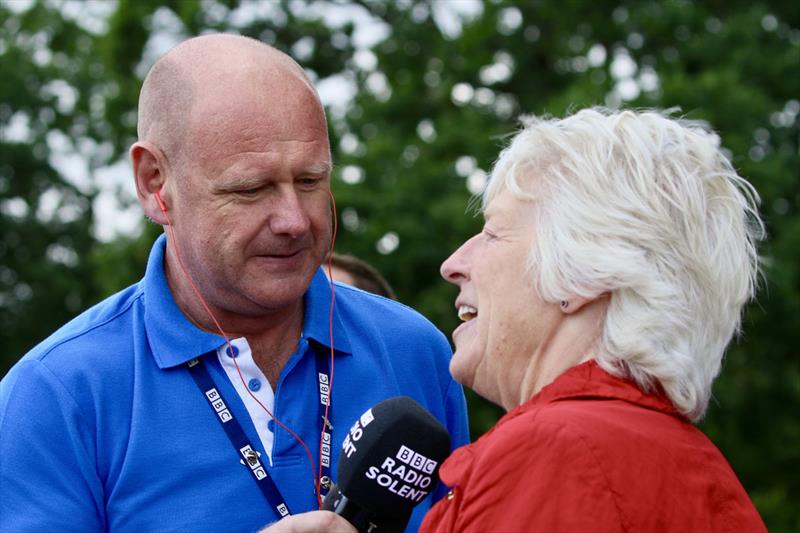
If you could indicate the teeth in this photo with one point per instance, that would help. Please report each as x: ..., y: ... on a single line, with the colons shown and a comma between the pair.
x: 467, y: 312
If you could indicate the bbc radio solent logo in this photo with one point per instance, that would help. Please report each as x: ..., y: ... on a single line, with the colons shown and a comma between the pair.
x: 408, y: 474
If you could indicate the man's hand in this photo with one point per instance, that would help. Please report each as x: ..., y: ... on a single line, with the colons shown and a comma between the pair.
x: 311, y: 522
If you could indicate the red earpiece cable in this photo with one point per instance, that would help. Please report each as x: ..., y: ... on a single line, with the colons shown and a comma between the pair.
x: 330, y: 330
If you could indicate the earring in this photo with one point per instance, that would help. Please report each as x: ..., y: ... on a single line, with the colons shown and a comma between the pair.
x: 564, y: 305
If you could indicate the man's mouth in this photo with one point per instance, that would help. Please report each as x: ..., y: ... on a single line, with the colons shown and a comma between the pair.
x: 282, y: 254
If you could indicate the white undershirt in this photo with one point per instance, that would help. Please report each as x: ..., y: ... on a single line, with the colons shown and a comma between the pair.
x: 253, y: 379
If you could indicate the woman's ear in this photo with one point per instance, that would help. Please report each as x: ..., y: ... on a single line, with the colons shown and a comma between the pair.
x: 575, y: 303
x: 150, y: 176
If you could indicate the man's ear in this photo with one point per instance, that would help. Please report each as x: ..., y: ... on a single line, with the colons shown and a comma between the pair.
x: 150, y: 176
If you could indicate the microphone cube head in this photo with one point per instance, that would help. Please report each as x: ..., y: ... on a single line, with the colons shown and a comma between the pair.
x: 390, y: 459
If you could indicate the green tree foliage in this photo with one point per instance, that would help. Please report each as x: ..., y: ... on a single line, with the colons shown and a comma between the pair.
x: 45, y: 219
x: 435, y: 95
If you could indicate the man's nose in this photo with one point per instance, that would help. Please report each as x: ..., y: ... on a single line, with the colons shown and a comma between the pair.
x: 289, y: 216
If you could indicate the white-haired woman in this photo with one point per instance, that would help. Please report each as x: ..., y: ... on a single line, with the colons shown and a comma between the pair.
x: 618, y: 251
x: 610, y: 275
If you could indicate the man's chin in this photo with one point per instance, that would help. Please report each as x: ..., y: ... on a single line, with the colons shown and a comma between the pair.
x: 273, y: 292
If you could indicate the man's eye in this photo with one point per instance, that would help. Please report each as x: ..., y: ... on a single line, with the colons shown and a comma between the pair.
x: 248, y: 192
x: 309, y: 183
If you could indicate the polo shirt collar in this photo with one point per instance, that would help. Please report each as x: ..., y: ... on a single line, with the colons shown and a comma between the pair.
x: 174, y: 339
x: 316, y: 324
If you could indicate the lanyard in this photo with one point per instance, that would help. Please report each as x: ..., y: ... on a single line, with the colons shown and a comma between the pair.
x: 324, y: 381
x: 245, y: 452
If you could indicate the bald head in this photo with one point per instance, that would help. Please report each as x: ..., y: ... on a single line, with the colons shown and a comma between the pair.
x: 205, y: 71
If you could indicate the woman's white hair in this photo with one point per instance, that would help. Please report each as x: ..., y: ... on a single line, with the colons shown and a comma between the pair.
x: 648, y: 209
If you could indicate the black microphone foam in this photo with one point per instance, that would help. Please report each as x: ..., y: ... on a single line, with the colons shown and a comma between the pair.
x: 388, y: 463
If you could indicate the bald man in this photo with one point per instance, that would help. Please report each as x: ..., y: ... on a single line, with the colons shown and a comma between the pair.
x: 152, y: 411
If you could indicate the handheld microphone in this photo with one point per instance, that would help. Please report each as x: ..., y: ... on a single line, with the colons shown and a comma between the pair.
x: 388, y: 463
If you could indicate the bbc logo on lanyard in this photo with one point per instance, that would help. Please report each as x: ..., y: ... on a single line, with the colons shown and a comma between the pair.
x: 324, y: 389
x: 218, y: 404
x: 251, y: 456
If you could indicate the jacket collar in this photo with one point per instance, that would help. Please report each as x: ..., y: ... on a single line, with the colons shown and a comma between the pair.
x: 588, y: 380
x: 174, y: 339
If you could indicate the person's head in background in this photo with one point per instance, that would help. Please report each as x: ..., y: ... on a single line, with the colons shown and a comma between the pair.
x: 358, y: 273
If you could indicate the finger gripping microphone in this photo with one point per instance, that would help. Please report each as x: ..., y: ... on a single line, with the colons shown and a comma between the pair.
x: 388, y: 463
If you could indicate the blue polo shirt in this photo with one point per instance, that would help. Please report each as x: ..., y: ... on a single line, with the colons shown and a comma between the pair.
x: 102, y: 427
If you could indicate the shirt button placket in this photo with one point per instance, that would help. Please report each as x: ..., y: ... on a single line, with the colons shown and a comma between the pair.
x: 254, y: 384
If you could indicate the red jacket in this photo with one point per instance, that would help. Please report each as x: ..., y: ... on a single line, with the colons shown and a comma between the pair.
x: 592, y: 453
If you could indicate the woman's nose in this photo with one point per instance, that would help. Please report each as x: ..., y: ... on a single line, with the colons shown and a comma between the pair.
x: 456, y: 268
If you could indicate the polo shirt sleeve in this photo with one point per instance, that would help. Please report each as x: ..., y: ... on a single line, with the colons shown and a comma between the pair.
x: 457, y: 425
x: 455, y: 404
x: 457, y: 419
x: 446, y: 400
x: 48, y: 479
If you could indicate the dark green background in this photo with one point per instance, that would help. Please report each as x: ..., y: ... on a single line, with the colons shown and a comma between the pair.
x: 735, y: 64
